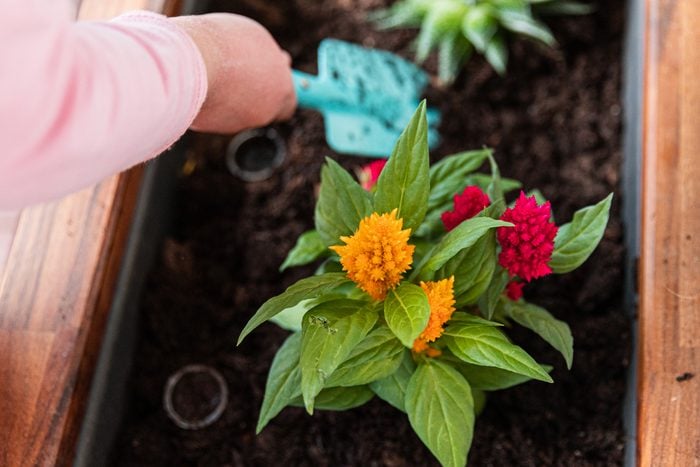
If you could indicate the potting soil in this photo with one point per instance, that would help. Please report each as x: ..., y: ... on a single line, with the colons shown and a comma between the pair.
x: 554, y: 121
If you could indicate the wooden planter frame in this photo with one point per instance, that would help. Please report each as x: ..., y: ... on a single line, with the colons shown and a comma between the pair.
x: 61, y: 272
x: 668, y: 410
x: 55, y: 294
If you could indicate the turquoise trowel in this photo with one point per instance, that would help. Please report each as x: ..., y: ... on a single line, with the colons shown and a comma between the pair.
x: 366, y: 97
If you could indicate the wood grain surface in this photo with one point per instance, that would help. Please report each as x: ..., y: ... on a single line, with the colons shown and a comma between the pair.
x: 55, y: 293
x: 669, y: 312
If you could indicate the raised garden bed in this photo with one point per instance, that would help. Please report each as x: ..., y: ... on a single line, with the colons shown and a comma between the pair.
x: 554, y: 122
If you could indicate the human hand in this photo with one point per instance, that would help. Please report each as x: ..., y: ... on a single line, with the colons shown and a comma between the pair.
x: 250, y: 80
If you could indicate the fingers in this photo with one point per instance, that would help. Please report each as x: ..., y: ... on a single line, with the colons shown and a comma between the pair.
x: 249, y: 75
x: 289, y: 99
x: 288, y: 108
x: 288, y: 58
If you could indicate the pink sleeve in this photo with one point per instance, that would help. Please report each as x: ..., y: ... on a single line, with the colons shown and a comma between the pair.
x: 83, y: 100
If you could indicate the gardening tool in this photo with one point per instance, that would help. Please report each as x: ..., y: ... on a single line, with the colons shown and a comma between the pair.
x: 366, y: 96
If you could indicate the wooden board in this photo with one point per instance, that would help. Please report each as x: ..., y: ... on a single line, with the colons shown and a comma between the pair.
x: 669, y: 312
x: 55, y: 293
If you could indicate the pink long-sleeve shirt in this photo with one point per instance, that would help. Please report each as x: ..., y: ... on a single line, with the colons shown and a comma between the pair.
x: 83, y: 100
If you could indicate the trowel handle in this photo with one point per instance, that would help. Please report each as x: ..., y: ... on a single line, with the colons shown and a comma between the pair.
x: 319, y: 94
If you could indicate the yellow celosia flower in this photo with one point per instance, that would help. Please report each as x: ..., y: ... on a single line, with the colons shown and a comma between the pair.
x: 377, y: 255
x: 441, y: 300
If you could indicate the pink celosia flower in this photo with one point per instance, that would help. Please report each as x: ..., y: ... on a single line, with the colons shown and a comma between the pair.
x: 514, y: 290
x: 369, y: 174
x: 527, y: 247
x: 467, y: 205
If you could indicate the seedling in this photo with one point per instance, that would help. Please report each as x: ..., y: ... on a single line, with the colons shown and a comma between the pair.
x: 459, y: 27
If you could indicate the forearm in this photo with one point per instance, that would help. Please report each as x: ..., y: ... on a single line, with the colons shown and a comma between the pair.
x: 86, y: 100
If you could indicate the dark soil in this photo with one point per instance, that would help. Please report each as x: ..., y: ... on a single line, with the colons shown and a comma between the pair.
x: 554, y: 122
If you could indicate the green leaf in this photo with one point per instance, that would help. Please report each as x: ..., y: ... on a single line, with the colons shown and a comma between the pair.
x: 392, y: 389
x: 489, y: 300
x: 447, y: 177
x: 308, y: 247
x: 441, y: 411
x: 526, y: 25
x: 517, y: 6
x: 448, y: 15
x: 342, y: 203
x: 283, y: 381
x: 463, y: 236
x: 432, y: 226
x: 495, y: 188
x: 441, y: 19
x: 479, y: 25
x: 488, y: 346
x: 556, y: 7
x: 331, y: 264
x: 377, y: 356
x: 308, y: 288
x: 404, y: 182
x: 466, y: 319
x: 483, y: 181
x: 406, y: 311
x: 329, y: 333
x: 479, y: 398
x: 495, y: 210
x: 339, y: 398
x: 472, y: 269
x: 291, y: 318
x: 401, y: 14
x: 488, y: 378
x: 427, y: 38
x: 422, y: 248
x: 454, y: 50
x: 555, y: 332
x: 576, y: 240
x: 497, y: 54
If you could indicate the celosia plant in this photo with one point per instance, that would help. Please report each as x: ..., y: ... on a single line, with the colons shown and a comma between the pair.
x: 467, y: 205
x: 459, y: 27
x: 412, y: 310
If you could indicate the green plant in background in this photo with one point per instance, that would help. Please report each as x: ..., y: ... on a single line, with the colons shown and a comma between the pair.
x: 421, y: 277
x: 458, y: 27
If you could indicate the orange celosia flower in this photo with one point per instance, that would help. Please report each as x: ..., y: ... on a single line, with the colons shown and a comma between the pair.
x: 377, y: 255
x: 441, y: 300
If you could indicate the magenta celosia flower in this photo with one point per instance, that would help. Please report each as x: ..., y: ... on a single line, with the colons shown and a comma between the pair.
x: 527, y: 247
x: 467, y: 205
x: 369, y: 174
x: 514, y: 290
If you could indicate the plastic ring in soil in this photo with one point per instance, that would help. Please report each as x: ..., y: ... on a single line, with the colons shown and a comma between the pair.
x: 253, y: 155
x: 205, y: 387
